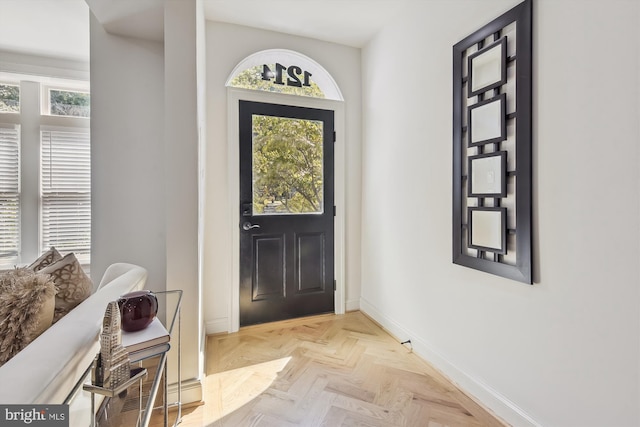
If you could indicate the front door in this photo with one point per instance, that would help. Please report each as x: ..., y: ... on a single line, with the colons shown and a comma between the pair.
x: 286, y: 212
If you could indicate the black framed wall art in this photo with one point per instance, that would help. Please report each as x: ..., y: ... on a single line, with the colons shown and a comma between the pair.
x: 492, y: 166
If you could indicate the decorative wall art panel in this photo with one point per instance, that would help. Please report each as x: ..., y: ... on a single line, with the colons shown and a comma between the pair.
x: 487, y: 175
x: 487, y: 121
x: 492, y: 146
x: 487, y: 229
x: 487, y: 67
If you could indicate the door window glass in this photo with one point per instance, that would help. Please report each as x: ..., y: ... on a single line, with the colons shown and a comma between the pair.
x: 287, y: 166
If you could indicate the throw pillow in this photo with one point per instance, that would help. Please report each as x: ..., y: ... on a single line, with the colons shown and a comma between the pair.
x: 27, y: 301
x: 73, y: 285
x: 47, y: 258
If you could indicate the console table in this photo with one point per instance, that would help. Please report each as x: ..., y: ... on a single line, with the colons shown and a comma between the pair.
x: 155, y: 364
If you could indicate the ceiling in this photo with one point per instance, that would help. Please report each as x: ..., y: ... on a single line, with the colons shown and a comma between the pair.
x: 347, y: 22
x: 50, y: 28
x: 60, y: 28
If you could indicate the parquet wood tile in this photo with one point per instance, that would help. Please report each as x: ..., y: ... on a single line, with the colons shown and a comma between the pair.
x: 329, y: 370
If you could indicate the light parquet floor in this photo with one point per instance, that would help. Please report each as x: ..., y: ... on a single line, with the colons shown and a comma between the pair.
x: 329, y: 370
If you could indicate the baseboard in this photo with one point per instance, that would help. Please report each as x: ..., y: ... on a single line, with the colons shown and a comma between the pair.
x: 191, y: 392
x: 352, y: 305
x: 472, y: 387
x: 217, y: 326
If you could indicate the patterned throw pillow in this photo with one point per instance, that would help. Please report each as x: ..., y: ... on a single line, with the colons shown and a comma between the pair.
x: 27, y: 301
x: 47, y: 258
x: 73, y: 285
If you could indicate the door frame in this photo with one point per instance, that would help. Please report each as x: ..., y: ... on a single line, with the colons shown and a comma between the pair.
x: 234, y: 95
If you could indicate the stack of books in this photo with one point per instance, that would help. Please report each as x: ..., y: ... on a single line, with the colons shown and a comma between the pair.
x: 148, y: 342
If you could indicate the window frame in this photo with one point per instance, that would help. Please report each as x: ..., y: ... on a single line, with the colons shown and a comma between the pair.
x: 33, y: 118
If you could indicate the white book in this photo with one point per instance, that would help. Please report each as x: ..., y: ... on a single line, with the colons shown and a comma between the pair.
x: 150, y: 336
x: 145, y: 353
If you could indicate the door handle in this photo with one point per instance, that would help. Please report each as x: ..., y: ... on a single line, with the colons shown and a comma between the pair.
x: 248, y: 226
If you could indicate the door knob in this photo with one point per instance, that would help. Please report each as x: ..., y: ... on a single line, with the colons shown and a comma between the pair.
x: 248, y: 226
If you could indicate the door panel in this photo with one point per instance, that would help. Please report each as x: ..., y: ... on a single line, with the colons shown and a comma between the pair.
x: 286, y: 212
x: 310, y: 262
x: 269, y: 278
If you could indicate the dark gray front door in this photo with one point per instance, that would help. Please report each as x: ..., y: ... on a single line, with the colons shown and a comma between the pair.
x: 286, y: 212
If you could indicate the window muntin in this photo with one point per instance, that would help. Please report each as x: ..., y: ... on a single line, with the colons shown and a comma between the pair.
x: 9, y: 98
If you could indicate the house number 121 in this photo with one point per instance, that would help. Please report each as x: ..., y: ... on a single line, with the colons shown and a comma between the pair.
x: 294, y: 73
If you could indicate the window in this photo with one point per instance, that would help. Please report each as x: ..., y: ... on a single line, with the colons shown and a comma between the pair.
x: 45, y: 172
x: 66, y: 193
x: 261, y: 77
x: 68, y: 103
x: 9, y: 98
x: 284, y: 71
x: 9, y: 193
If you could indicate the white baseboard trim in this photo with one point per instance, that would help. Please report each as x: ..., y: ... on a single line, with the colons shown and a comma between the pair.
x: 491, y: 399
x: 352, y: 305
x: 217, y: 326
x: 191, y: 391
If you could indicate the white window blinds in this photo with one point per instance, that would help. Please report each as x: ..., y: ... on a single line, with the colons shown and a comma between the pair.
x: 9, y: 195
x: 66, y: 192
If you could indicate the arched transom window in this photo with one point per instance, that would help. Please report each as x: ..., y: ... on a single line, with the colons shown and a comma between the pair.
x: 284, y: 71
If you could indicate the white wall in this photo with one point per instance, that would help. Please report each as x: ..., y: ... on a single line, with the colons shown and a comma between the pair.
x: 565, y: 351
x: 227, y: 45
x: 181, y: 181
x: 127, y: 154
x: 145, y: 167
